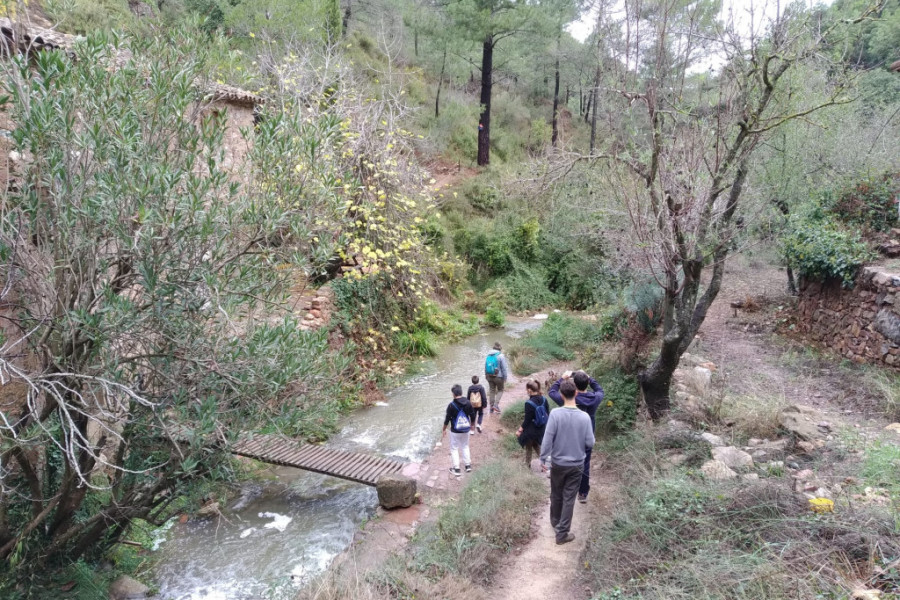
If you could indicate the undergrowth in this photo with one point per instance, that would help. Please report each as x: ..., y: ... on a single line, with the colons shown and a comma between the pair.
x: 449, y: 557
x: 676, y: 535
x: 561, y: 337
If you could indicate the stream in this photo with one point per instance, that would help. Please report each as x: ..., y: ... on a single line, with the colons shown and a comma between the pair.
x: 278, y: 534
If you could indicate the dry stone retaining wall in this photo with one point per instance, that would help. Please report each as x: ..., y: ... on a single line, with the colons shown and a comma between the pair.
x: 862, y: 324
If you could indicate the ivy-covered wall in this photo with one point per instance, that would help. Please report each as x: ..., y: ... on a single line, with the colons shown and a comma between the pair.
x: 862, y: 323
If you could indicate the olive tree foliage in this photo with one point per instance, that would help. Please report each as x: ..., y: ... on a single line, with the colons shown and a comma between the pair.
x: 682, y: 141
x: 144, y: 320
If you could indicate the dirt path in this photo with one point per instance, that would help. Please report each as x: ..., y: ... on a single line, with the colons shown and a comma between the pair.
x: 555, y: 568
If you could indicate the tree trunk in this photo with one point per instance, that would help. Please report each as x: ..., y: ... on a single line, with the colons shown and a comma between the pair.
x: 416, y: 41
x: 484, y: 120
x: 555, y: 135
x: 437, y: 97
x: 688, y: 310
x: 587, y: 112
x: 594, y: 113
x: 346, y: 21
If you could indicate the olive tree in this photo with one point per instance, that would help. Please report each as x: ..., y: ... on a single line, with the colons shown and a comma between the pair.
x: 144, y: 324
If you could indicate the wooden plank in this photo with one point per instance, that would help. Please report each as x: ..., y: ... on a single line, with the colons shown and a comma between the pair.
x: 364, y: 464
x: 321, y: 460
x: 314, y: 454
x: 376, y: 470
x: 276, y: 454
x: 339, y: 458
x: 314, y: 457
x: 282, y: 453
x: 330, y: 462
x: 344, y: 468
x: 361, y: 463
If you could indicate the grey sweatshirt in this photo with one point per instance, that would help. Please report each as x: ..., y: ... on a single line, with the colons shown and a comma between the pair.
x: 568, y: 435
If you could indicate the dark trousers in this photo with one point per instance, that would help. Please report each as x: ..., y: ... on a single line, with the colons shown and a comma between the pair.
x: 586, y: 474
x: 479, y: 415
x: 564, y: 482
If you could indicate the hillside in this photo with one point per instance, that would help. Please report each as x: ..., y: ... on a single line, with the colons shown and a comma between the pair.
x: 229, y: 217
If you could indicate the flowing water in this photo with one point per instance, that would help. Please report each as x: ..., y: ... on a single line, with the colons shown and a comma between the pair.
x: 279, y: 534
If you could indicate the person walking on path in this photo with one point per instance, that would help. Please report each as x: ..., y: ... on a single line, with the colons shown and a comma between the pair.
x: 478, y: 399
x: 496, y: 370
x: 587, y: 400
x: 568, y: 436
x: 534, y: 421
x: 459, y: 417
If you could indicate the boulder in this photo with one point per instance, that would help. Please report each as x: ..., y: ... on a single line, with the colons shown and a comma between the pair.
x: 733, y: 458
x: 801, y: 421
x: 396, y: 490
x: 209, y: 510
x: 893, y: 427
x: 717, y: 470
x: 711, y: 439
x: 126, y: 588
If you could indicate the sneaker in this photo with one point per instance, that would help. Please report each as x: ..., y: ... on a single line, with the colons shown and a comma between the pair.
x: 471, y: 432
x: 468, y: 468
x: 582, y: 498
x: 569, y: 537
x: 455, y: 471
x: 478, y: 427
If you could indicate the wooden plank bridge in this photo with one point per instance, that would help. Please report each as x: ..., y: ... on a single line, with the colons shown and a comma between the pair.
x: 275, y: 450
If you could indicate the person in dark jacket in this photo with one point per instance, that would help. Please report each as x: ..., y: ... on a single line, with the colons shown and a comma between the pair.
x: 478, y: 399
x: 587, y: 400
x: 459, y: 417
x: 530, y: 434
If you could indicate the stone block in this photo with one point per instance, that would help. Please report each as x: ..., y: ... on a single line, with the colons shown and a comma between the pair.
x: 126, y: 588
x: 732, y: 457
x: 717, y: 470
x: 396, y: 490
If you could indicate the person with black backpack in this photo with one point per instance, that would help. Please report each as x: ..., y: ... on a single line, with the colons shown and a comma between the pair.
x: 459, y: 417
x: 534, y: 422
x: 478, y: 399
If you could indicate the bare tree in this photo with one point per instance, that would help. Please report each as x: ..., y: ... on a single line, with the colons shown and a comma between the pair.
x: 682, y: 157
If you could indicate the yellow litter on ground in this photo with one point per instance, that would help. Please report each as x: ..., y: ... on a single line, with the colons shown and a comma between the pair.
x: 821, y: 505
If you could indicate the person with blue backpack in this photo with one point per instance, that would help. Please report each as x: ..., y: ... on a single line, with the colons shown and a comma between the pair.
x: 496, y: 371
x: 534, y: 421
x: 459, y: 417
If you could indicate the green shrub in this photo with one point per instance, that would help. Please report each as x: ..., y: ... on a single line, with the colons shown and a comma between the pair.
x: 417, y: 343
x: 620, y: 401
x: 869, y: 203
x: 494, y: 316
x: 644, y: 300
x: 821, y: 250
x: 482, y: 195
x: 540, y: 134
x: 560, y: 338
x: 526, y: 287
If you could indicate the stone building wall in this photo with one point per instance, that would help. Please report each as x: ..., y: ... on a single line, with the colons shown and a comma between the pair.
x: 861, y: 324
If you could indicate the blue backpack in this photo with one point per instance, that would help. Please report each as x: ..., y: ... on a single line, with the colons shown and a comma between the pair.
x: 541, y: 414
x: 492, y: 364
x: 461, y: 421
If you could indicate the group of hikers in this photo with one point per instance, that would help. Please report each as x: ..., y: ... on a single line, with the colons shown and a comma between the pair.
x: 563, y: 439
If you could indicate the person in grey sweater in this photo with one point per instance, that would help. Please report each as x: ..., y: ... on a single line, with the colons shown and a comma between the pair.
x: 567, y: 438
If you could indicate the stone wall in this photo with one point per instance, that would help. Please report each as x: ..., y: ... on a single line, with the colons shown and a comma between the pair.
x: 862, y: 324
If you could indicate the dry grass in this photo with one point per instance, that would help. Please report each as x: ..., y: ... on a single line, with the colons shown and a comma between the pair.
x: 678, y: 536
x: 887, y: 386
x: 754, y: 416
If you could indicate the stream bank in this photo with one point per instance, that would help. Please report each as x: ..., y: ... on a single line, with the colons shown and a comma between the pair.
x: 279, y: 534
